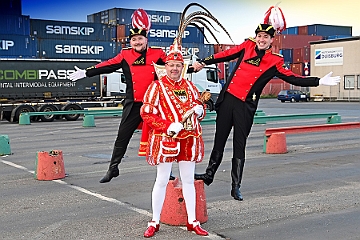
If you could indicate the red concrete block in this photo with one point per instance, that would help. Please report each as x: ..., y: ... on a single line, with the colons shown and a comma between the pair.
x: 174, y: 209
x: 49, y: 165
x: 276, y: 143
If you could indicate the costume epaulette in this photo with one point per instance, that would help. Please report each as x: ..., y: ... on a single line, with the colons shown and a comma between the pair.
x: 278, y: 54
x: 252, y: 39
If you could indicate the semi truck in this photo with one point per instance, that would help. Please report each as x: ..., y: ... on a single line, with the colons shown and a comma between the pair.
x: 43, y: 85
x: 28, y: 85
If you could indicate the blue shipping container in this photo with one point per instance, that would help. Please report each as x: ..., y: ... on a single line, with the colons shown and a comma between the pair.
x: 164, y: 33
x: 328, y: 30
x: 123, y: 16
x: 14, y: 25
x: 198, y: 49
x: 71, y: 30
x: 17, y: 46
x: 76, y: 49
x: 288, y: 55
x: 291, y: 31
x: 336, y: 37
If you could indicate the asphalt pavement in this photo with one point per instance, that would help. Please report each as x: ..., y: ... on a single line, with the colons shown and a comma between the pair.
x: 310, y: 192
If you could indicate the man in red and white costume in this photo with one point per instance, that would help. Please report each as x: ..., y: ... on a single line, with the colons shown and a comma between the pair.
x: 170, y: 104
x: 238, y: 100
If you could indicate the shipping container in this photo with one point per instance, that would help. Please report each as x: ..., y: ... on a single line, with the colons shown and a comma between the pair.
x: 297, y: 68
x: 287, y: 65
x: 293, y: 41
x: 222, y: 71
x: 17, y: 46
x: 303, y: 30
x: 10, y: 7
x: 123, y: 16
x: 14, y: 25
x: 120, y: 33
x: 336, y: 37
x: 223, y: 47
x: 328, y: 30
x: 50, y: 29
x: 198, y: 49
x: 274, y: 86
x: 287, y: 54
x: 76, y: 49
x: 291, y: 31
x: 164, y: 33
x: 301, y: 54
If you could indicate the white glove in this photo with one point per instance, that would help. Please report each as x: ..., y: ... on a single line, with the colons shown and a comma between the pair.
x: 328, y: 80
x: 199, y: 110
x: 78, y: 74
x: 175, y: 127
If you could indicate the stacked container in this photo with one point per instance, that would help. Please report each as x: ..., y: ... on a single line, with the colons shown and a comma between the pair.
x: 15, y: 40
x: 73, y: 40
x: 164, y: 28
x: 294, y: 45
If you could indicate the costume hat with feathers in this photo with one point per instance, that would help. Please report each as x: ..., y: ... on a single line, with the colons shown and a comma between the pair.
x: 198, y: 18
x: 274, y: 21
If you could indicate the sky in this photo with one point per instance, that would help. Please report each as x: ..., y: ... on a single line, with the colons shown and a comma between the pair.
x: 239, y: 17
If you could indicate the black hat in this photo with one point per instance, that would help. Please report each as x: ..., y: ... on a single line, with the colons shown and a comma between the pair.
x: 267, y: 28
x: 137, y: 31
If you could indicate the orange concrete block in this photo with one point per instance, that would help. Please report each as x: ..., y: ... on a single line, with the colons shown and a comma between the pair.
x: 276, y: 143
x: 49, y: 165
x: 174, y: 209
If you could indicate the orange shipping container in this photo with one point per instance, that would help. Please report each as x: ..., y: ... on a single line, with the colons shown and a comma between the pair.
x: 303, y: 30
x: 297, y: 68
x: 222, y: 47
x: 120, y: 33
x: 301, y: 55
x: 293, y: 41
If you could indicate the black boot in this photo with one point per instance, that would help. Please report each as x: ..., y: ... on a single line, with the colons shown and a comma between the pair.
x: 113, y: 171
x: 214, y: 163
x: 237, y: 167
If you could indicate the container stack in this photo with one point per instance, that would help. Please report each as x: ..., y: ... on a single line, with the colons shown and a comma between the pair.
x: 164, y: 26
x: 23, y: 37
x: 294, y: 45
x: 73, y: 40
x: 15, y: 40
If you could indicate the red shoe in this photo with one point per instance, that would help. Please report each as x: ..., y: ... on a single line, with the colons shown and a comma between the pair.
x: 152, y: 228
x: 195, y: 226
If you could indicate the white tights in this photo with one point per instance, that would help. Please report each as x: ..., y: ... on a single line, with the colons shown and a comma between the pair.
x: 187, y: 170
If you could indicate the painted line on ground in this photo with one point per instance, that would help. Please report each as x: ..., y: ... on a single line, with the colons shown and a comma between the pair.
x: 104, y: 198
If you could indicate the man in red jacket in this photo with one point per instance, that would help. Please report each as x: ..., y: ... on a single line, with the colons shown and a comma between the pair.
x: 238, y: 100
x: 136, y: 63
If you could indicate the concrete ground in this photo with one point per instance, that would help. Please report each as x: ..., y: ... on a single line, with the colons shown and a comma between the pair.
x: 311, y: 192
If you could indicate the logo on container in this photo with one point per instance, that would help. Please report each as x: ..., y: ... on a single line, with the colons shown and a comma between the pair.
x: 69, y: 30
x: 6, y: 44
x: 160, y: 33
x: 159, y: 18
x: 78, y: 49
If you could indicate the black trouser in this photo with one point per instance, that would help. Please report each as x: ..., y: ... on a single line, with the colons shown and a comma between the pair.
x: 130, y: 121
x: 233, y: 112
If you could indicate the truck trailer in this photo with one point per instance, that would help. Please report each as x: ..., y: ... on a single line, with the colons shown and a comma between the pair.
x: 43, y: 85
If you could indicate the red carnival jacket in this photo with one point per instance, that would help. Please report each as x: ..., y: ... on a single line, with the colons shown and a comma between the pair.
x: 137, y: 67
x: 254, y: 70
